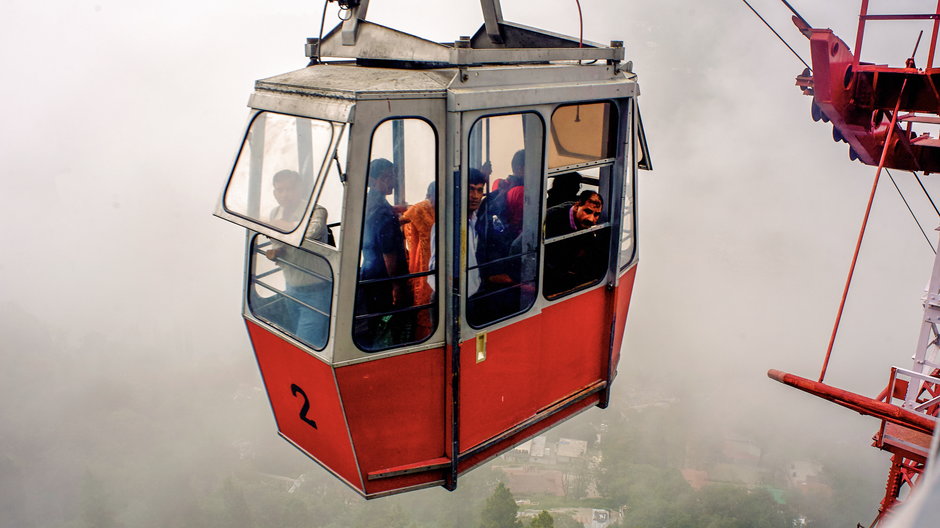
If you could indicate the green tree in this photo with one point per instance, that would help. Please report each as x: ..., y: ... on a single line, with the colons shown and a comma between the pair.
x: 500, y: 510
x: 542, y: 520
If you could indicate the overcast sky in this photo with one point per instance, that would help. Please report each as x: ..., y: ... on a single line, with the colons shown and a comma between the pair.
x: 122, y: 120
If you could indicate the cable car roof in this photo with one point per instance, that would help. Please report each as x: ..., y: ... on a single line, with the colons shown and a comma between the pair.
x: 347, y: 81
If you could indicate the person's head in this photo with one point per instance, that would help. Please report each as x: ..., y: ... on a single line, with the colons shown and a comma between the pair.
x: 432, y: 192
x: 587, y: 210
x: 476, y: 187
x: 287, y: 191
x: 382, y: 176
x: 518, y: 163
x: 567, y: 184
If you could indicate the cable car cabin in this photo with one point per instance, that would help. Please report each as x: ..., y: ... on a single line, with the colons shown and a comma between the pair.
x: 440, y: 251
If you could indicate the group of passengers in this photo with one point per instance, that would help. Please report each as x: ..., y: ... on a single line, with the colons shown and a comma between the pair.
x: 396, y: 281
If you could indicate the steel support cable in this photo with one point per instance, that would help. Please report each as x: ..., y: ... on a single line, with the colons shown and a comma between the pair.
x: 797, y: 15
x: 861, y: 233
x: 927, y: 194
x: 914, y: 216
x: 797, y: 55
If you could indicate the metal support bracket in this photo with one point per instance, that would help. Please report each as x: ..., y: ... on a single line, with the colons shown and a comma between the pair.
x: 351, y: 25
x: 492, y: 18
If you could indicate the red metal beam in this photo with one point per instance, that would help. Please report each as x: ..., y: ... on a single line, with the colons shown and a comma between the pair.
x: 857, y: 402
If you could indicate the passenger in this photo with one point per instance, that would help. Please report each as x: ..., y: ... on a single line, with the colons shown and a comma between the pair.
x: 500, y: 260
x: 573, y: 216
x: 383, y: 257
x: 574, y: 261
x: 290, y: 197
x: 518, y: 173
x: 501, y: 218
x: 565, y: 188
x: 305, y: 278
x: 476, y: 190
x: 418, y: 224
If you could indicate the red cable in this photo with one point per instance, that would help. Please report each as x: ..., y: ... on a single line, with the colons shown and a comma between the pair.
x: 580, y: 25
x: 861, y: 234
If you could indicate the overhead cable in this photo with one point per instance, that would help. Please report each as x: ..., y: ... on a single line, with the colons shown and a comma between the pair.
x: 797, y: 55
x: 916, y: 221
x: 927, y: 194
x: 797, y: 15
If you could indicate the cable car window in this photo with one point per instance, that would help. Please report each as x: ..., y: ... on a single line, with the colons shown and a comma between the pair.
x: 395, y: 302
x: 291, y: 289
x: 577, y: 230
x: 582, y: 133
x: 274, y: 176
x: 505, y: 154
x: 627, y: 220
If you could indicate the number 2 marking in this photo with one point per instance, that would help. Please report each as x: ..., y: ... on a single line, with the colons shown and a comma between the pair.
x: 294, y: 389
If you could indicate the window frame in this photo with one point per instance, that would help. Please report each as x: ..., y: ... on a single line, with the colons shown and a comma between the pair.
x: 537, y: 112
x: 606, y: 169
x: 634, y: 141
x: 253, y: 254
x: 339, y: 131
x: 433, y: 307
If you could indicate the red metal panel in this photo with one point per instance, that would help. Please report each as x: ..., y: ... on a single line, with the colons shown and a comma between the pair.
x: 395, y: 409
x: 534, y: 363
x: 303, y: 392
x: 623, y: 295
x: 503, y: 445
x: 574, y: 345
x: 501, y: 391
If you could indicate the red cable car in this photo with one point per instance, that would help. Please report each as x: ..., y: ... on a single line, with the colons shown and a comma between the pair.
x: 441, y: 243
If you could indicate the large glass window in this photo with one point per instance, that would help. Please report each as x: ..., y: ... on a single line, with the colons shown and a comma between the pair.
x: 505, y: 155
x: 577, y: 226
x: 582, y: 133
x: 277, y: 169
x: 395, y: 301
x: 291, y: 289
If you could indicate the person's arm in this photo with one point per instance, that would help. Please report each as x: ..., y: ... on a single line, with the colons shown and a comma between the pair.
x: 317, y: 228
x: 276, y: 250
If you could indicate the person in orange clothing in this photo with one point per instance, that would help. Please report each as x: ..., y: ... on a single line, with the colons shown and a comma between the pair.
x: 417, y: 224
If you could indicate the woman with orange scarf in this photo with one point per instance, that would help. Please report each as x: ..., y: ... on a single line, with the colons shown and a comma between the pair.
x: 417, y: 224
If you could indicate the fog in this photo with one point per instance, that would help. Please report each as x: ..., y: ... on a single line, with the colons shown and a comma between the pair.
x: 120, y: 293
